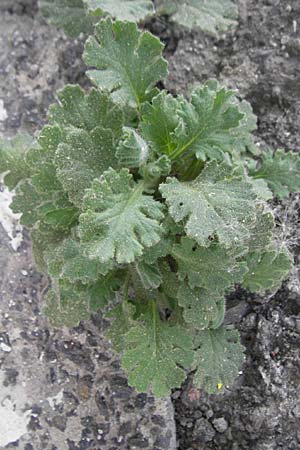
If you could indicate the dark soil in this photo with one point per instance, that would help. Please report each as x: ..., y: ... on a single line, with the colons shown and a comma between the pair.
x: 261, y: 59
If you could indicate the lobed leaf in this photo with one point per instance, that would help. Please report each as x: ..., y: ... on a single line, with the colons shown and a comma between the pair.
x: 67, y: 14
x: 120, y: 221
x: 132, y: 150
x: 216, y: 203
x: 209, y: 125
x: 212, y: 268
x: 156, y: 354
x: 267, y: 269
x: 131, y: 10
x: 200, y: 306
x: 128, y: 63
x: 281, y: 170
x: 210, y: 16
x: 67, y: 304
x: 68, y: 261
x: 218, y: 359
x: 13, y: 159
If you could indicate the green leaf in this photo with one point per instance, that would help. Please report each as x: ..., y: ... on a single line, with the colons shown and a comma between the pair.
x: 128, y: 62
x: 104, y: 290
x: 86, y: 111
x: 156, y: 353
x: 159, y: 121
x: 267, y: 270
x: 208, y: 124
x: 131, y: 10
x: 212, y: 268
x: 218, y: 358
x: 13, y: 159
x: 262, y: 231
x: 122, y: 316
x: 210, y: 16
x: 201, y: 306
x: 52, y: 208
x: 67, y: 304
x: 132, y: 151
x: 120, y: 221
x: 84, y: 157
x: 67, y: 14
x: 215, y: 203
x: 67, y: 261
x: 281, y: 170
x: 41, y: 160
x: 149, y: 274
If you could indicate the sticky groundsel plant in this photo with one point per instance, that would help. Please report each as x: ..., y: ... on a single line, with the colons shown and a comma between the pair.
x: 79, y: 16
x: 151, y: 208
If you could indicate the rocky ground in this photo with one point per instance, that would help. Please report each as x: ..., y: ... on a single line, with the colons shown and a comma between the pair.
x: 64, y: 389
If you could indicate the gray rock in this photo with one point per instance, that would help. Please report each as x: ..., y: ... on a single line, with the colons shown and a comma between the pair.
x: 220, y: 425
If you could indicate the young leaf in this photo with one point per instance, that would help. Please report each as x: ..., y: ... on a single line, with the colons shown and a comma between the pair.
x: 218, y: 358
x: 207, y: 123
x: 12, y: 159
x: 212, y: 268
x: 132, y: 151
x: 120, y: 221
x: 156, y: 353
x: 210, y: 16
x: 131, y: 10
x: 159, y: 120
x: 215, y: 203
x: 281, y: 170
x: 201, y: 306
x: 267, y: 270
x: 67, y: 14
x: 128, y: 62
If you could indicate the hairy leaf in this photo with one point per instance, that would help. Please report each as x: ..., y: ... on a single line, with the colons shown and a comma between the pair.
x: 120, y: 221
x: 267, y: 270
x: 159, y: 121
x: 34, y: 205
x: 212, y: 268
x: 128, y: 62
x: 122, y: 316
x: 67, y: 261
x: 218, y: 358
x: 13, y: 160
x: 156, y: 353
x: 131, y: 10
x: 201, y: 306
x: 211, y: 16
x: 67, y: 304
x: 281, y: 170
x: 207, y: 123
x: 84, y: 157
x: 67, y: 14
x: 104, y: 290
x: 215, y: 203
x: 132, y: 151
x: 86, y: 111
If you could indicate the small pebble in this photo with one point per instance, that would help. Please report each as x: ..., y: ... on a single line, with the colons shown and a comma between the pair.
x: 220, y: 425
